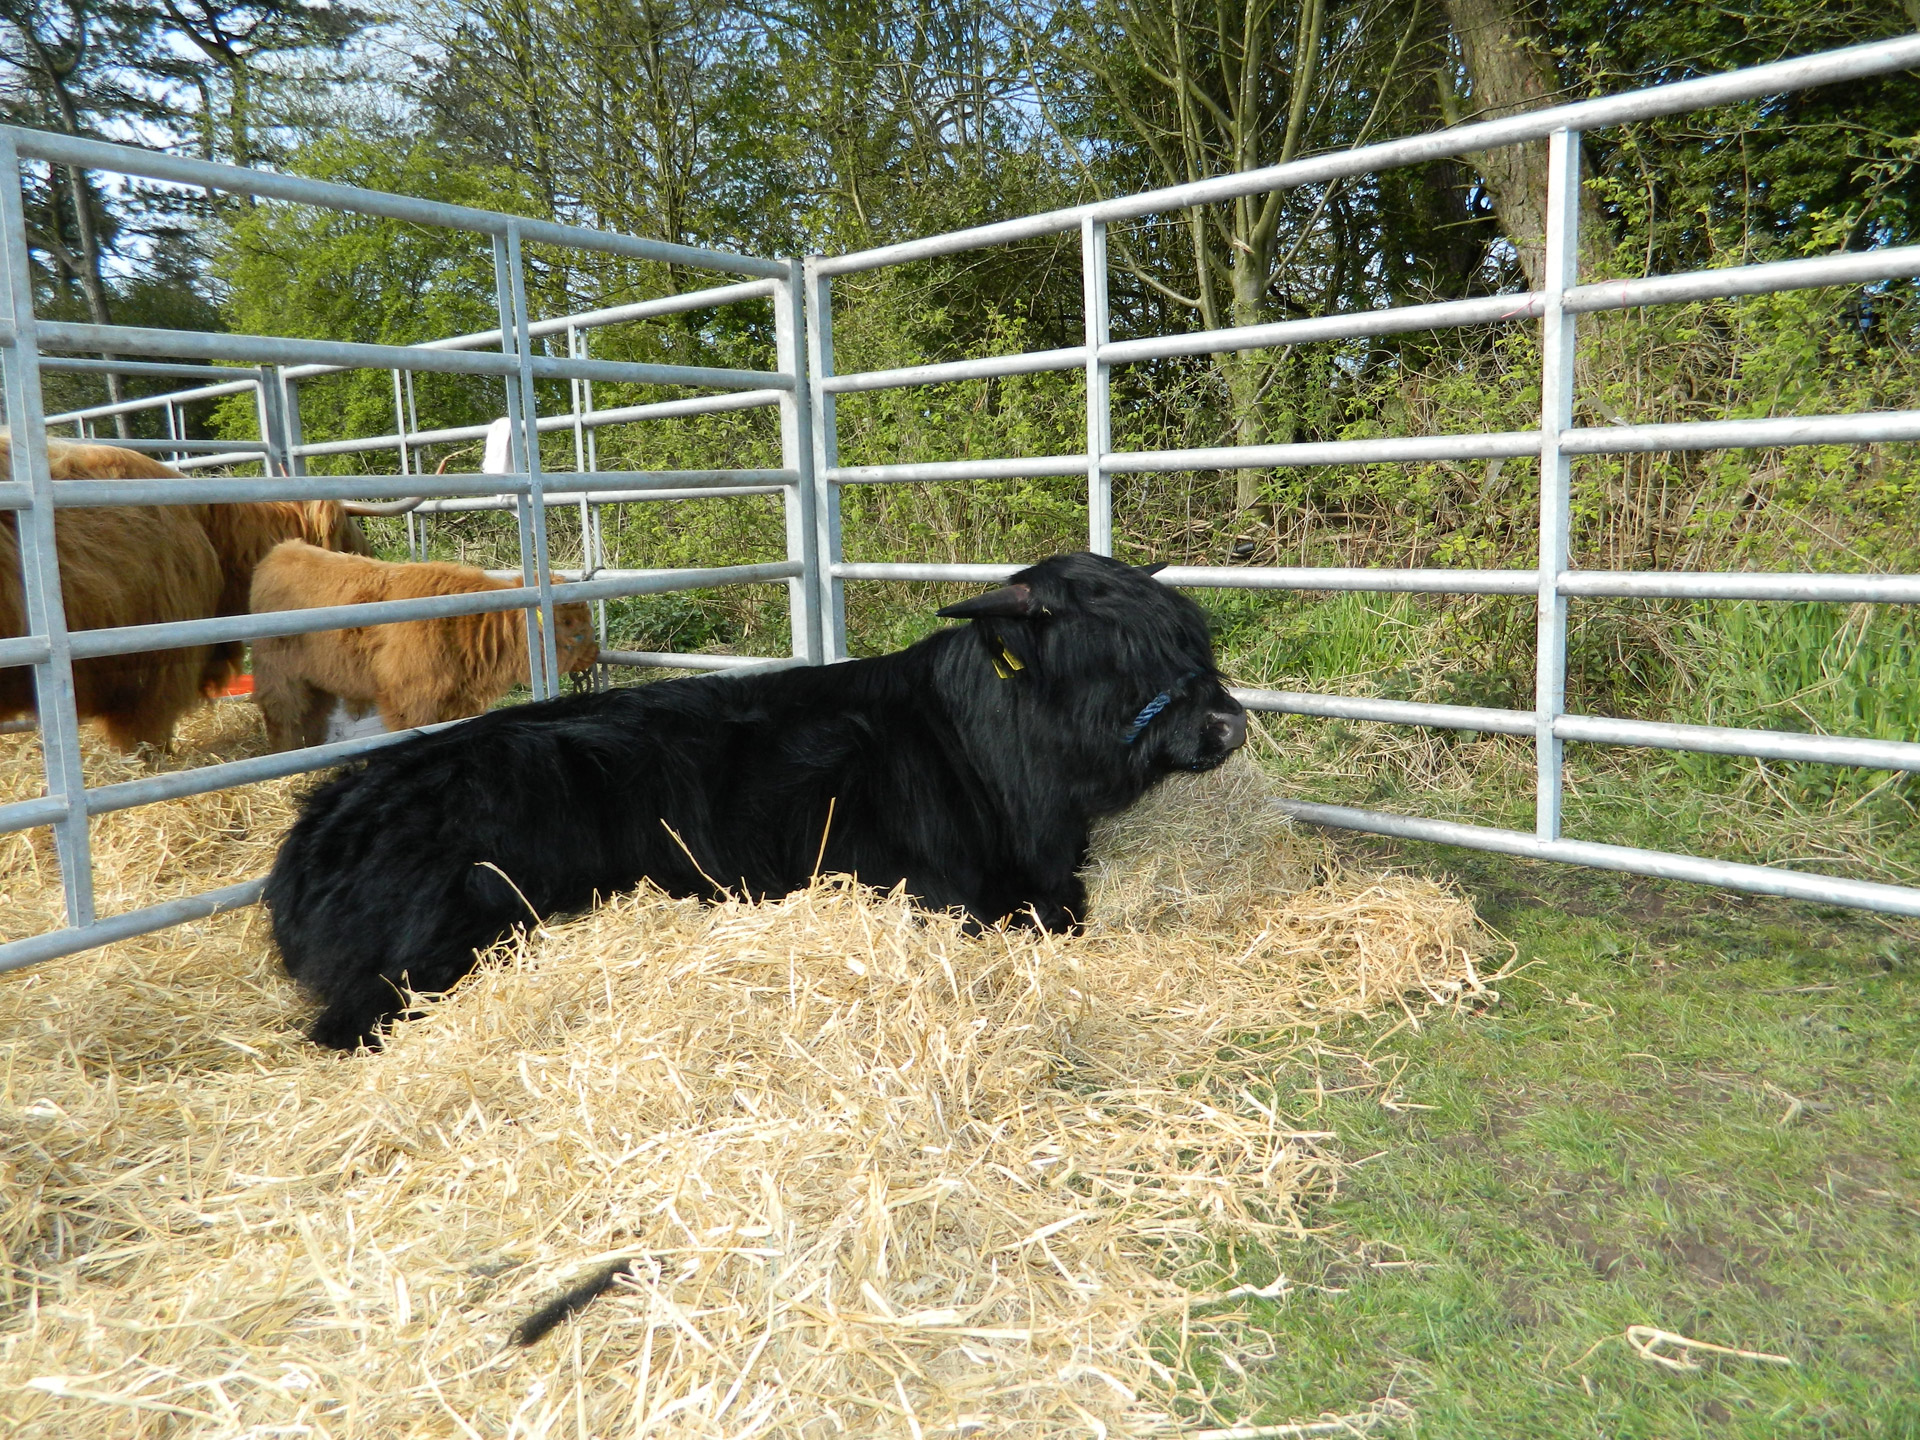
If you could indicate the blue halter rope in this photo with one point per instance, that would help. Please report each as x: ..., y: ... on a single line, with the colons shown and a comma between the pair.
x: 1154, y: 706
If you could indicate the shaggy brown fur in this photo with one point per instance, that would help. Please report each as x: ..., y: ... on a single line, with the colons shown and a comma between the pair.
x: 146, y: 565
x: 415, y: 672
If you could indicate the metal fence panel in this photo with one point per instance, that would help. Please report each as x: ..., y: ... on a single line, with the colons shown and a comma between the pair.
x: 272, y: 368
x: 803, y: 388
x: 1555, y: 443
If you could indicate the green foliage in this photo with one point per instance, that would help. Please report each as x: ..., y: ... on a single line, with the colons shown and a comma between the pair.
x: 859, y: 122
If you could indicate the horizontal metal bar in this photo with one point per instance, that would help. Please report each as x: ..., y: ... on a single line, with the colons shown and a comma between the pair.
x: 88, y: 494
x: 1855, y: 267
x: 1032, y: 363
x: 214, y: 462
x: 1730, y: 875
x: 1758, y: 744
x: 1732, y: 86
x: 696, y: 405
x: 479, y: 339
x: 270, y: 349
x: 1860, y: 429
x: 1598, y: 729
x: 585, y: 320
x: 155, y: 165
x: 134, y: 639
x: 907, y: 571
x: 151, y: 402
x: 1396, y: 450
x: 573, y: 237
x: 1487, y: 310
x: 1380, y: 580
x: 628, y: 372
x: 1621, y: 584
x: 674, y: 479
x: 126, y: 367
x: 677, y: 660
x: 646, y: 309
x: 179, y: 784
x: 1742, y: 585
x: 56, y: 943
x: 610, y: 585
x: 1013, y: 469
x: 1872, y: 426
x: 15, y: 496
x: 25, y: 814
x: 666, y: 409
x: 1391, y: 712
x: 549, y: 424
x: 22, y: 650
x: 599, y: 497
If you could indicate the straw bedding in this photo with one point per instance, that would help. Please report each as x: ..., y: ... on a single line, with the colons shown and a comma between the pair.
x: 878, y: 1176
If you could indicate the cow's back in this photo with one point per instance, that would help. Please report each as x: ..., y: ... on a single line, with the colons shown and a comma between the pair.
x: 416, y: 672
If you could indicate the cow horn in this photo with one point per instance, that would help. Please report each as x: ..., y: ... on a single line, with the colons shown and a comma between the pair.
x: 1009, y: 602
x: 1153, y: 568
x: 400, y: 507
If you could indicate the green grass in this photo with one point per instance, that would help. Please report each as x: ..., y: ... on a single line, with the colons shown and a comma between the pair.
x: 1689, y: 1110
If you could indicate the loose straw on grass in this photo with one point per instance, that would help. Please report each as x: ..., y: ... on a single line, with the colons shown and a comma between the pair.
x: 868, y: 1173
x: 1647, y: 1342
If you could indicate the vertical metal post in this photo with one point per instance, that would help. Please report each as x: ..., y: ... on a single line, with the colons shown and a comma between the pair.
x: 402, y: 450
x: 1557, y: 348
x: 173, y: 433
x: 586, y: 459
x: 416, y: 522
x: 46, y: 613
x: 536, y: 567
x: 581, y: 399
x: 818, y: 308
x: 273, y: 398
x: 1093, y: 285
x: 288, y: 393
x: 797, y: 454
x: 272, y: 420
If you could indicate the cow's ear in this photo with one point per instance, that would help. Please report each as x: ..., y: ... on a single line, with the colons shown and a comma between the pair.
x: 1153, y: 569
x: 1009, y: 602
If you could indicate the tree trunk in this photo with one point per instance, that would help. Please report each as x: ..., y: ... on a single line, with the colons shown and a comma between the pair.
x: 1508, y: 64
x: 80, y: 191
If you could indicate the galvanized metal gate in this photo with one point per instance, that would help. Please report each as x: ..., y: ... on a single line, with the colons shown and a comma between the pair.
x: 803, y: 387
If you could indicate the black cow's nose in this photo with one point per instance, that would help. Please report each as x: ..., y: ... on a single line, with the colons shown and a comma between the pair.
x: 1231, y: 729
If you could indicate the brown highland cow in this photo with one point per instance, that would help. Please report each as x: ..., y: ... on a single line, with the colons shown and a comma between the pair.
x: 415, y: 672
x: 145, y: 565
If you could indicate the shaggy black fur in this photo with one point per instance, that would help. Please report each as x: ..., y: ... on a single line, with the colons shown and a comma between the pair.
x: 968, y: 766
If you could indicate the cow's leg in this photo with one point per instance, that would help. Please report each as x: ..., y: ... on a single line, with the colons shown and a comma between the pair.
x: 168, y: 689
x: 358, y: 1012
x: 295, y: 709
x: 280, y: 696
x: 316, y: 714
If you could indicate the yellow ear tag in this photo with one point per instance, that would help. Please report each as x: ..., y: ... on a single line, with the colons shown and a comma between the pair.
x: 1006, y: 663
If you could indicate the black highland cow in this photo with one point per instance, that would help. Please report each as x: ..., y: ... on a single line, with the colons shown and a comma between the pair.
x: 968, y: 766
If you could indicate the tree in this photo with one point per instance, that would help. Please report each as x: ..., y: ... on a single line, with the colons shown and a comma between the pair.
x: 1197, y: 88
x: 70, y: 57
x: 234, y: 36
